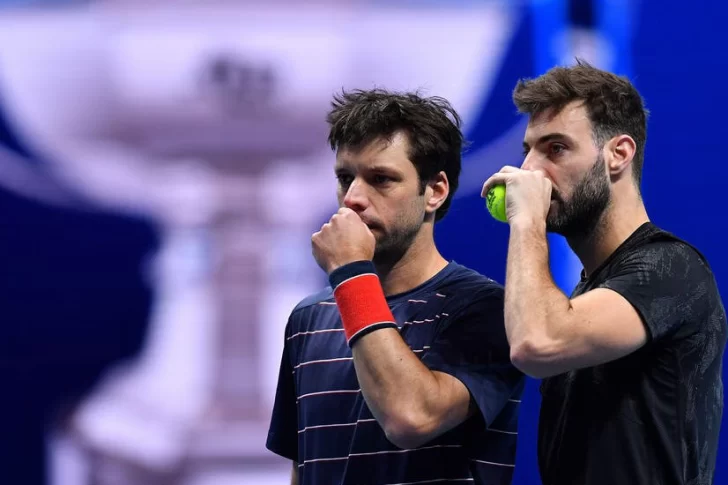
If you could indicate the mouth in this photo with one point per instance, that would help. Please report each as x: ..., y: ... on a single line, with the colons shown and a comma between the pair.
x: 373, y: 227
x: 370, y: 224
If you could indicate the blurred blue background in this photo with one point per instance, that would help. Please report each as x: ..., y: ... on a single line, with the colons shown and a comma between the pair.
x: 163, y: 164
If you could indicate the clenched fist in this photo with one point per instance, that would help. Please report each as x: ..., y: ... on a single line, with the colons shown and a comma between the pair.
x: 342, y: 240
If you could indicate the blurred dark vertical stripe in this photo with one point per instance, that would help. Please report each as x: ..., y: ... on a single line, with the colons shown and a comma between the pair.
x: 9, y: 138
x: 72, y: 303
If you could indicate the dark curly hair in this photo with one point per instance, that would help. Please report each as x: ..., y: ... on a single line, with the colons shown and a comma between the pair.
x: 613, y: 104
x: 431, y: 124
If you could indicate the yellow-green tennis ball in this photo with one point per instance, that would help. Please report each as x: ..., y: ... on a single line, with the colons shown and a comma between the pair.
x: 495, y: 200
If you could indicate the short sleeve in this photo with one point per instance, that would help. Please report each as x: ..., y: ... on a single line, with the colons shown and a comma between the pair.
x: 283, y: 431
x: 668, y: 283
x: 473, y: 348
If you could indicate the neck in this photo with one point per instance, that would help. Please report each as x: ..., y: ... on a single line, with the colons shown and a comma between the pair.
x: 420, y: 262
x: 617, y: 224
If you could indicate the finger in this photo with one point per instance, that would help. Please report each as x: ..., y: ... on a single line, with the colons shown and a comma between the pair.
x: 546, y: 181
x: 495, y: 179
x: 500, y: 177
x: 548, y: 188
x: 348, y: 217
x: 352, y: 215
x: 345, y: 210
x: 345, y: 213
x: 339, y: 220
x: 540, y: 173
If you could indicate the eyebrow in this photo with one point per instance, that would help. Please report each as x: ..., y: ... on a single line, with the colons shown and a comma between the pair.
x: 374, y: 168
x: 548, y: 138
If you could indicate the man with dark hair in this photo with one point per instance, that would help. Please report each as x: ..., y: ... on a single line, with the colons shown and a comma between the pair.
x: 632, y: 389
x: 400, y: 371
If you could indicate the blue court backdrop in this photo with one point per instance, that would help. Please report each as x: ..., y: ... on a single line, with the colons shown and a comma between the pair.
x: 674, y: 52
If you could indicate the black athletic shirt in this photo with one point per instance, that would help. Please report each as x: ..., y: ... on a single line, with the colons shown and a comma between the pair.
x: 652, y: 417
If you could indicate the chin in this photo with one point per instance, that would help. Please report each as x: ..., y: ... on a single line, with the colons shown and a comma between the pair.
x: 553, y: 223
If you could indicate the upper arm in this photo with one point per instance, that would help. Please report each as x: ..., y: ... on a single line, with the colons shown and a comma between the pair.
x: 294, y: 473
x: 647, y: 298
x: 451, y: 404
x: 598, y: 326
x: 471, y: 359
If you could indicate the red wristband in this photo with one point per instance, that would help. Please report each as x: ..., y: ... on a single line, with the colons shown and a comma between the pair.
x: 362, y: 305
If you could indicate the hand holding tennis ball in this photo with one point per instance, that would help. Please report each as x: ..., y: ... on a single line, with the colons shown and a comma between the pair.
x: 495, y: 200
x: 527, y: 198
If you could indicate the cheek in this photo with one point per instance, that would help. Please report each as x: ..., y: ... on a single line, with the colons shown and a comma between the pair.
x: 398, y: 210
x: 561, y: 183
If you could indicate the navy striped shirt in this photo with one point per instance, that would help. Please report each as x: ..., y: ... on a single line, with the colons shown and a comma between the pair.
x: 454, y: 323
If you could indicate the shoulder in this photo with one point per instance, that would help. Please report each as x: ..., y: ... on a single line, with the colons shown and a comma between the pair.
x: 471, y: 287
x: 473, y: 318
x: 472, y: 296
x: 462, y: 277
x: 661, y: 266
x: 666, y: 256
x: 314, y: 309
x: 315, y: 313
x: 668, y: 278
x: 323, y: 296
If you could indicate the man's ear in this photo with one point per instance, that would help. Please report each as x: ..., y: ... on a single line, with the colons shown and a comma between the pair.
x: 618, y: 154
x: 436, y: 192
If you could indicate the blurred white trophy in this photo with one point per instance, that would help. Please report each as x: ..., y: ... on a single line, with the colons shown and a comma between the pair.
x: 211, y: 119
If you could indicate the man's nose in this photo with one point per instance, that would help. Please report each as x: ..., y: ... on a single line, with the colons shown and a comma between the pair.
x: 356, y: 196
x: 530, y: 163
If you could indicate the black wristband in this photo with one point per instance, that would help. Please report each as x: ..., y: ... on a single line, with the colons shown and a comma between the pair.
x: 343, y: 273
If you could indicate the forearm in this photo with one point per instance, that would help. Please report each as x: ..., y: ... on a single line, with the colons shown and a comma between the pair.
x: 407, y: 399
x: 399, y: 389
x: 534, y: 305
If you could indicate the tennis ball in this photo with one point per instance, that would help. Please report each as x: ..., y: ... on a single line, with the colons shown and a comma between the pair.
x: 495, y: 200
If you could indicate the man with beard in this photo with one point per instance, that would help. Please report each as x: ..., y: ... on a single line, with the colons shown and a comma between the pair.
x: 632, y: 389
x: 400, y: 371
